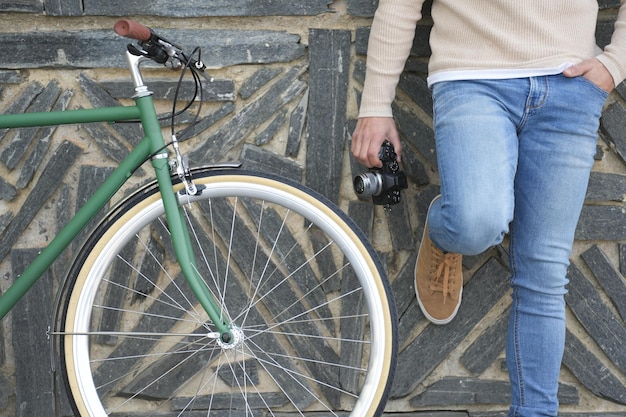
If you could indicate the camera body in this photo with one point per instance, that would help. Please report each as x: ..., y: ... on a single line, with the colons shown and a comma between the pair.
x: 382, y: 184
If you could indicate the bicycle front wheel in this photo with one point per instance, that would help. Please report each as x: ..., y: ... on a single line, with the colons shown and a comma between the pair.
x: 309, y: 304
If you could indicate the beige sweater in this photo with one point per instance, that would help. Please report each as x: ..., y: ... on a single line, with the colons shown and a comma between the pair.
x: 486, y: 35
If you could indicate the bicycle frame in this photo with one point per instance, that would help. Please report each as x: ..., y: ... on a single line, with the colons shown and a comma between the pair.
x: 151, y: 146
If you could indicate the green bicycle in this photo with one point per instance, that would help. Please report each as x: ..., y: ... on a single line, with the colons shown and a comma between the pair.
x: 212, y: 290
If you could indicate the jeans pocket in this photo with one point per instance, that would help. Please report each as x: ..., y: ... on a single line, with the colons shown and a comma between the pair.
x: 595, y: 88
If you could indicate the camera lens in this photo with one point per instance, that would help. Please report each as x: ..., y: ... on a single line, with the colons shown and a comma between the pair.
x: 368, y: 184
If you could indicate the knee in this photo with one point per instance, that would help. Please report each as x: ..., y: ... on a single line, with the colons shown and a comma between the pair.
x: 471, y: 232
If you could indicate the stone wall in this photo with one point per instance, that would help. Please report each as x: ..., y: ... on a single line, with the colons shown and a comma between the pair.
x: 287, y: 76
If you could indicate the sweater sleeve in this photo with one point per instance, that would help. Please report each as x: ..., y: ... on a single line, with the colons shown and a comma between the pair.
x: 390, y: 41
x: 614, y: 55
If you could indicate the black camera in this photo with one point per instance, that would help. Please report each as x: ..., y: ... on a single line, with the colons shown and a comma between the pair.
x: 382, y: 184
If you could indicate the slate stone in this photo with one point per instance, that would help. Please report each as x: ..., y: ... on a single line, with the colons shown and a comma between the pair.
x: 260, y: 78
x: 487, y: 347
x: 30, y: 319
x: 613, y: 125
x: 602, y: 223
x: 297, y: 123
x: 592, y: 373
x: 199, y: 8
x: 329, y: 52
x: 105, y: 49
x: 451, y: 391
x: 99, y: 97
x: 417, y: 89
x: 6, y: 389
x: 272, y: 129
x: 235, y: 130
x: 90, y: 178
x: 14, y: 151
x: 20, y: 104
x: 256, y: 159
x: 7, y: 191
x: 459, y: 391
x: 10, y: 77
x: 361, y: 40
x: 362, y: 8
x: 27, y: 6
x: 417, y: 133
x: 488, y: 285
x: 116, y: 295
x: 110, y: 144
x: 63, y: 7
x: 223, y: 403
x: 605, y: 186
x: 52, y: 175
x: 403, y: 287
x: 399, y: 227
x: 603, y: 326
x: 165, y: 89
x: 610, y: 279
x: 622, y: 258
x: 208, y: 121
x: 32, y: 163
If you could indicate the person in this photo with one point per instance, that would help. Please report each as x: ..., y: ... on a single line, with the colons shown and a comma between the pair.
x: 518, y: 88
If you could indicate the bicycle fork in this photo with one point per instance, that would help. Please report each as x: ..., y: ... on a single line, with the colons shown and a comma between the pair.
x: 174, y: 213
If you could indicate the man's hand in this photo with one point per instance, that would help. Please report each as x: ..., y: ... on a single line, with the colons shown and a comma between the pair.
x: 369, y: 135
x: 594, y: 71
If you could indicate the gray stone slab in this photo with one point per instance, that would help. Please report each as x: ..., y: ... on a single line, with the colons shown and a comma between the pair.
x: 63, y: 7
x: 605, y: 186
x: 328, y: 74
x: 15, y: 150
x: 417, y: 133
x: 260, y: 78
x: 21, y: 103
x: 487, y: 347
x: 10, y: 77
x: 399, y: 225
x: 105, y: 49
x: 591, y: 372
x: 34, y: 160
x: 257, y: 159
x: 613, y: 125
x: 450, y: 391
x: 611, y: 280
x: 417, y: 89
x: 235, y: 130
x: 603, y: 326
x: 165, y: 89
x: 7, y: 190
x: 297, y: 122
x: 362, y: 8
x: 200, y: 8
x: 28, y: 6
x: 99, y: 97
x: 51, y: 176
x: 602, y: 223
x: 272, y: 129
x: 29, y: 321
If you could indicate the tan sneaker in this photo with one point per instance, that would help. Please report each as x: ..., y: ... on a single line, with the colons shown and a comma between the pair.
x: 438, y: 281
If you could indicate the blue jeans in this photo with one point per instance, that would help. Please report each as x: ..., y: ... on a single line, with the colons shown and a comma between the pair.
x: 514, y: 157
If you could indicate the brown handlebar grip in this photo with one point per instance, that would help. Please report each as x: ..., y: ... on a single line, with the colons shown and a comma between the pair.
x: 131, y: 29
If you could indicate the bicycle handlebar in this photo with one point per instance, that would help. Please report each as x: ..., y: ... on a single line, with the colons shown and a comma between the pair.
x: 133, y: 30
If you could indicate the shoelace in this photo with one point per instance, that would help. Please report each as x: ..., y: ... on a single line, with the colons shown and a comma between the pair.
x: 444, y: 263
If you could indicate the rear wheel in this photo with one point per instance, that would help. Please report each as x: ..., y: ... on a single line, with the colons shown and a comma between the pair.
x: 312, y: 313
